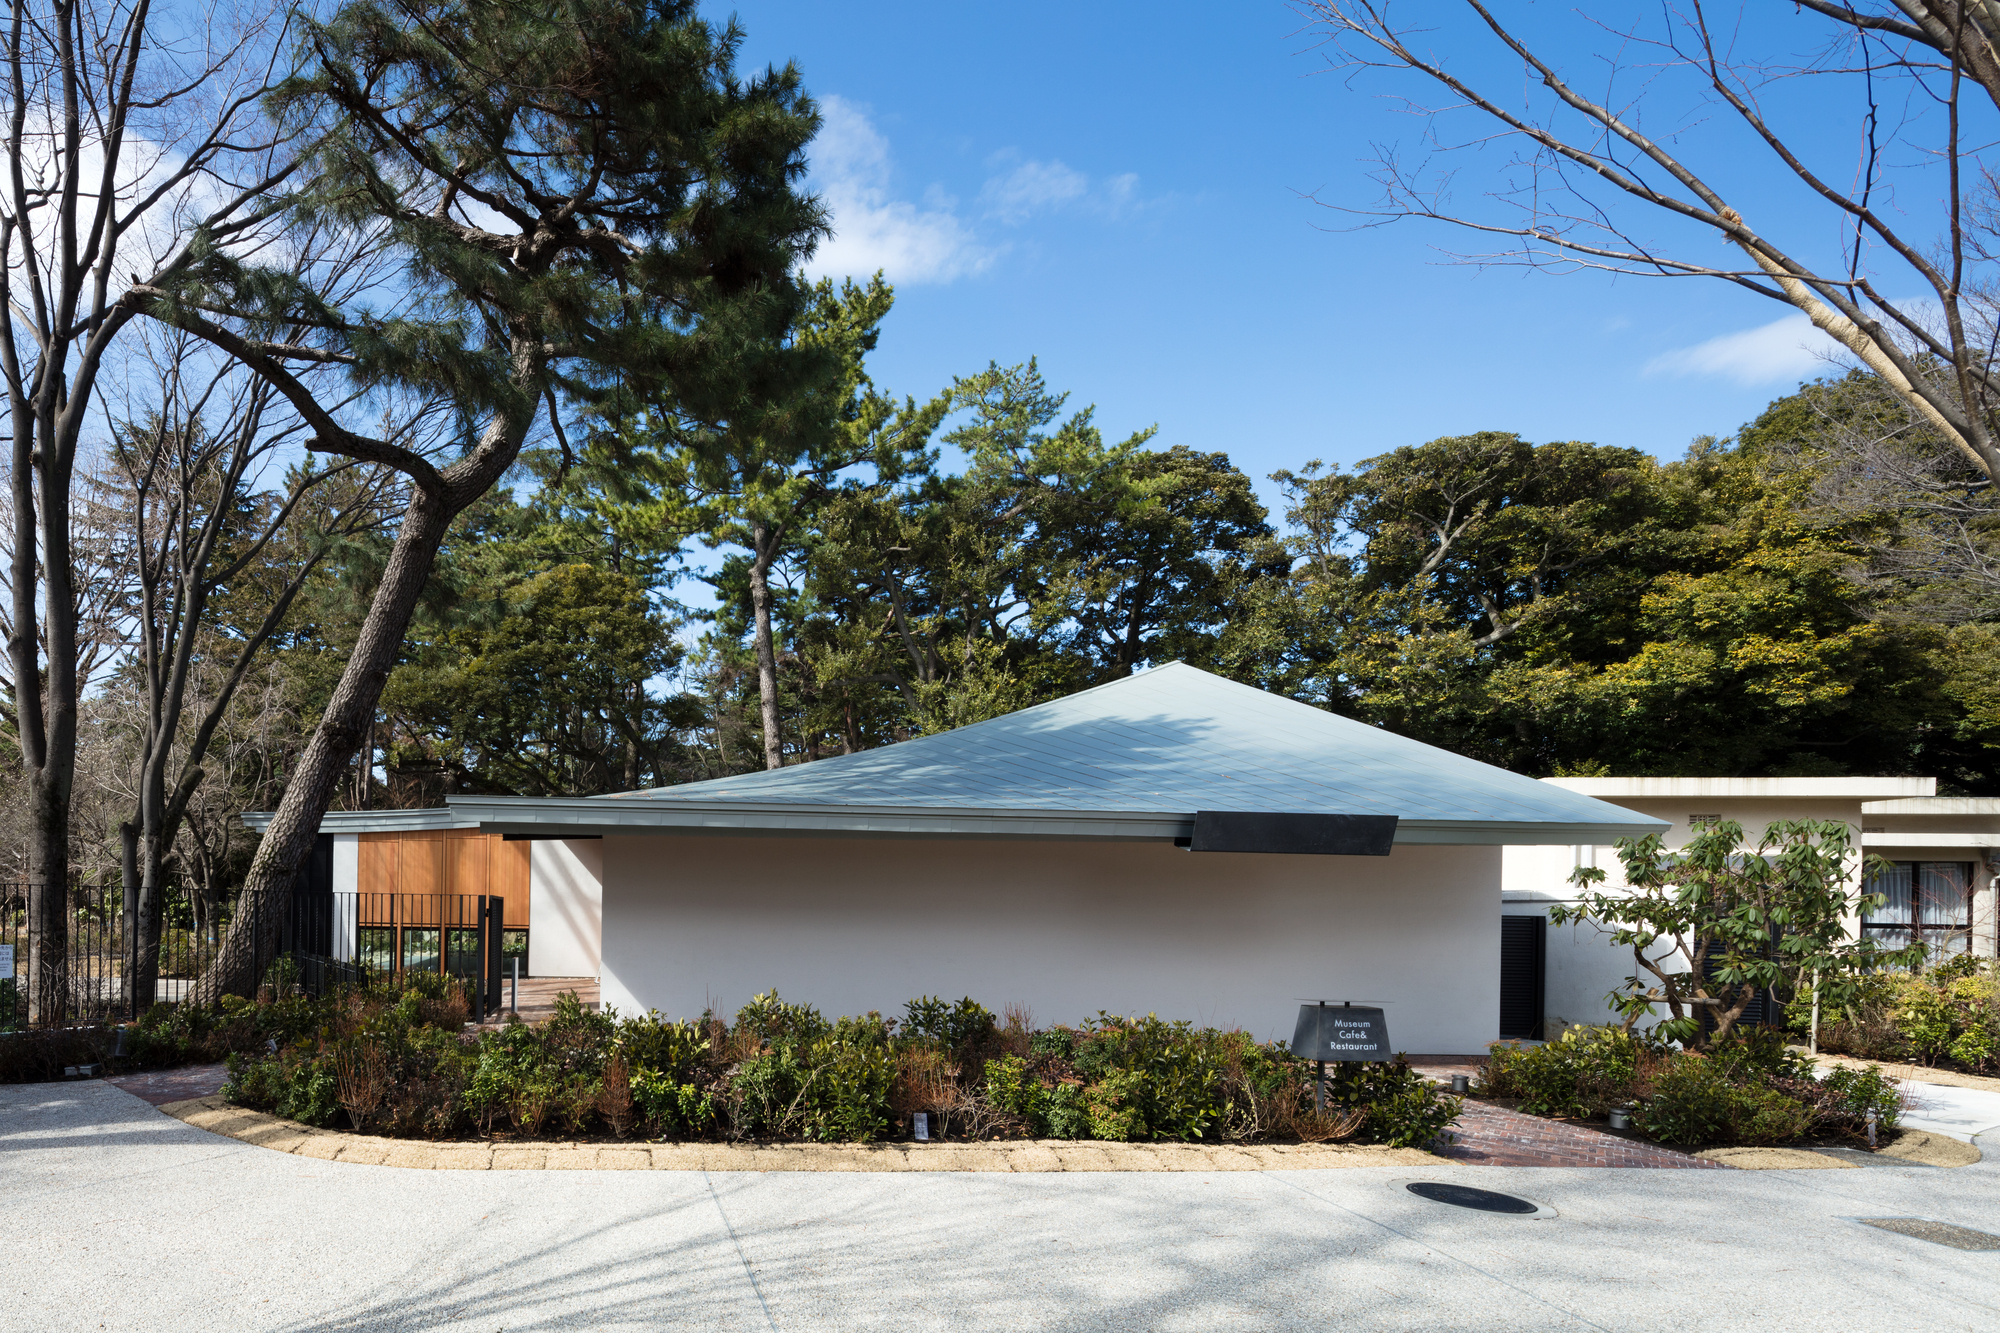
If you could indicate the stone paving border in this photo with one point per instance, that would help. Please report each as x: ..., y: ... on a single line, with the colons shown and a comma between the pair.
x: 268, y: 1131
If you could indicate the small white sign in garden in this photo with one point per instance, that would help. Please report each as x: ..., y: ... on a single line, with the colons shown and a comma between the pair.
x: 6, y: 960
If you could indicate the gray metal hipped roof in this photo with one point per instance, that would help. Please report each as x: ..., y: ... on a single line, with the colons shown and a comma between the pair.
x: 1132, y: 760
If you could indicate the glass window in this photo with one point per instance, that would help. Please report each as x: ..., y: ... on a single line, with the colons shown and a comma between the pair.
x: 376, y: 946
x: 420, y: 949
x: 513, y: 944
x: 462, y: 951
x: 1930, y: 901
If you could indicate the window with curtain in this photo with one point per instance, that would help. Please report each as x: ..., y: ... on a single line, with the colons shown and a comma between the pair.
x: 1928, y: 901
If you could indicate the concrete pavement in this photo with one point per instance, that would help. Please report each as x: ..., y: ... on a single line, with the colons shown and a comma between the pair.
x: 1971, y: 1114
x: 114, y: 1216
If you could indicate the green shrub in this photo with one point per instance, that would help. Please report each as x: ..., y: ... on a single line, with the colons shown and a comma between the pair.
x: 661, y: 1045
x: 1059, y: 1043
x: 847, y: 1089
x: 1586, y: 1071
x: 1108, y: 1107
x: 1974, y: 1047
x: 1012, y: 1088
x: 964, y: 1028
x: 38, y: 1055
x: 1929, y: 1022
x: 1959, y: 967
x: 1854, y: 1092
x: 1759, y: 1115
x: 310, y: 1097
x: 670, y: 1109
x: 1688, y: 1103
x: 1694, y: 1100
x: 780, y: 1022
x: 766, y: 1093
x: 1749, y: 1054
x: 395, y: 1060
x: 1068, y: 1112
x: 1405, y: 1109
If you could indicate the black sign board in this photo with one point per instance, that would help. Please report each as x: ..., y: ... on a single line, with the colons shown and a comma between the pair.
x: 1299, y: 835
x: 1341, y: 1032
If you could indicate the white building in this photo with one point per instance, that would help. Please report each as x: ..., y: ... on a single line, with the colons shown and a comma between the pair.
x: 1940, y: 881
x: 1171, y: 843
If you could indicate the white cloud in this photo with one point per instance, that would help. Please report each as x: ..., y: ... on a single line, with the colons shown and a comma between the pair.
x: 872, y: 231
x: 1032, y: 187
x: 1785, y: 349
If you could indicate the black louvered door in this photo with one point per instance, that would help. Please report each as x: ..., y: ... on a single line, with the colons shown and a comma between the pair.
x: 1523, y: 962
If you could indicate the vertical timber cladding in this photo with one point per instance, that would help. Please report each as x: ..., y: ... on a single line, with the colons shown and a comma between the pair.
x: 424, y: 863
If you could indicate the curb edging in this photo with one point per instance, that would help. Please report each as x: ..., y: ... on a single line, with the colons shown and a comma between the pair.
x: 262, y: 1130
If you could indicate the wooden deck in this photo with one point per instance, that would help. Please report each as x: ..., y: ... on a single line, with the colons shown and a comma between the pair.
x: 537, y: 1000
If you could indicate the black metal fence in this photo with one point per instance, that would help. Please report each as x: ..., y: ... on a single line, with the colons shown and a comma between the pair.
x: 331, y: 939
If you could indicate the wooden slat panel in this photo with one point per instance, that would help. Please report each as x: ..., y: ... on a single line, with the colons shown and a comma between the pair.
x: 465, y: 862
x: 422, y: 861
x: 510, y: 878
x: 378, y: 866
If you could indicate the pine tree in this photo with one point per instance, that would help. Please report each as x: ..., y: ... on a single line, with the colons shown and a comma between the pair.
x: 597, y: 212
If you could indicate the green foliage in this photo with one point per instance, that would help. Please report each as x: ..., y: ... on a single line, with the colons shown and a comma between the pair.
x: 1405, y: 1109
x: 537, y: 684
x: 1109, y: 1107
x: 1585, y: 1071
x: 396, y: 1062
x: 1948, y: 1015
x: 1012, y: 1088
x: 1858, y: 1091
x: 670, y: 1109
x: 779, y: 1022
x: 660, y: 1045
x: 296, y: 1084
x: 1694, y: 1101
x: 1760, y: 1053
x: 960, y: 1028
x: 1067, y: 1112
x: 1711, y: 927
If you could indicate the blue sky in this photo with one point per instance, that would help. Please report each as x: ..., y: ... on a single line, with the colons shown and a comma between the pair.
x: 1120, y: 191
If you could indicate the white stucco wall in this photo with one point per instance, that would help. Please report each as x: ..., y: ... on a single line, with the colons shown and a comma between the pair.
x: 1584, y: 967
x: 566, y: 908
x: 346, y: 882
x: 1067, y: 928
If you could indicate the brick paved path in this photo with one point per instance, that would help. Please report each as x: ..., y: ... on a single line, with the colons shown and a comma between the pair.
x: 161, y: 1086
x: 1492, y: 1136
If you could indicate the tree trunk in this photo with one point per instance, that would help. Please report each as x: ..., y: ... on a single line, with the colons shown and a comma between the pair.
x: 136, y: 998
x: 764, y: 545
x: 48, y: 898
x: 48, y: 725
x: 294, y: 829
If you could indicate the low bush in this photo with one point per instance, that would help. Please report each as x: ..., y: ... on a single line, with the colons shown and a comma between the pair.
x: 1693, y: 1099
x: 1586, y: 1071
x: 1948, y: 1016
x: 1405, y: 1109
x: 1750, y: 1088
x: 399, y: 1063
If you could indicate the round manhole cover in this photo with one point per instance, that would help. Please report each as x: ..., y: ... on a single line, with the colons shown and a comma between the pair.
x: 1465, y: 1196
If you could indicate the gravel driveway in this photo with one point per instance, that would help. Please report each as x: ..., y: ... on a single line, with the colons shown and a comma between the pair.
x: 114, y: 1216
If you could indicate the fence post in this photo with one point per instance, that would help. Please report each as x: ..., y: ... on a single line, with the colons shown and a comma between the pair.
x: 479, y: 967
x: 495, y: 949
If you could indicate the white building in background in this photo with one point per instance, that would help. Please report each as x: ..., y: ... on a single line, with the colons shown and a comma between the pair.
x: 1940, y: 880
x: 1171, y: 843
